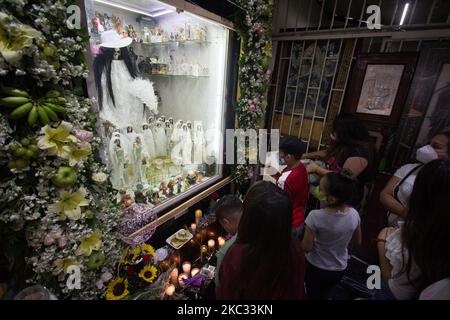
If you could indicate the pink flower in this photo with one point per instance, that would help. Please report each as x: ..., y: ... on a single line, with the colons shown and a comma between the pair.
x: 99, y: 284
x: 83, y: 135
x: 48, y: 240
x: 106, y: 276
x: 62, y: 242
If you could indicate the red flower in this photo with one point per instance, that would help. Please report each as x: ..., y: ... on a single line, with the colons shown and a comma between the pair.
x: 147, y: 258
x: 130, y: 271
x: 214, y: 196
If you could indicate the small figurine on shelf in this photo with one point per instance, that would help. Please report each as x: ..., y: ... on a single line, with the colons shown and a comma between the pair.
x: 139, y: 195
x: 155, y: 196
x: 163, y: 188
x: 126, y: 200
x: 198, y: 176
x: 191, y: 177
x: 170, y: 187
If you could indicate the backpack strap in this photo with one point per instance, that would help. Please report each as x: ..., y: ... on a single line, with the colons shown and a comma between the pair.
x: 397, y: 188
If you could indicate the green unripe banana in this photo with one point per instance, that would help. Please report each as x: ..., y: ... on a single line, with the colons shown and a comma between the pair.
x: 51, y: 114
x: 55, y: 107
x: 13, y: 101
x: 43, y: 116
x: 32, y: 116
x: 21, y: 111
x: 52, y: 94
x: 14, y: 92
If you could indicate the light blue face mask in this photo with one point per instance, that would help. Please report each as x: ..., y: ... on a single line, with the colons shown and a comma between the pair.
x: 281, y: 161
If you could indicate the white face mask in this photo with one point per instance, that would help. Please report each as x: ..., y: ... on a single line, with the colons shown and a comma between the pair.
x: 426, y: 154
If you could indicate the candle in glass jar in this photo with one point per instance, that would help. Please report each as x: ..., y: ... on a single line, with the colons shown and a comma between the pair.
x: 186, y: 267
x: 194, y: 272
x: 193, y: 227
x: 181, y: 279
x: 211, y: 243
x: 221, y: 241
x: 174, y: 276
x: 203, y: 249
x: 170, y: 290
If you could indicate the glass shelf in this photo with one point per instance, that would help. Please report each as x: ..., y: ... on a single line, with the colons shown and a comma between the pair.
x: 176, y: 75
x: 176, y: 43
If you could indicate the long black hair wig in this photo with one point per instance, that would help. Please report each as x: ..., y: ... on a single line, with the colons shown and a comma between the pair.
x: 102, y: 63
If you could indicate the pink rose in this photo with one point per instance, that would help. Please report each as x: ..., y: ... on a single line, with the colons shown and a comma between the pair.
x: 48, y: 240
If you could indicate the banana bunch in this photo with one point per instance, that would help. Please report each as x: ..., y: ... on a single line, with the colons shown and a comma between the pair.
x: 46, y: 109
x: 22, y: 153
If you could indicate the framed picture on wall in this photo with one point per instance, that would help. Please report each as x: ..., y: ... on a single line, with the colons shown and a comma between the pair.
x: 379, y: 86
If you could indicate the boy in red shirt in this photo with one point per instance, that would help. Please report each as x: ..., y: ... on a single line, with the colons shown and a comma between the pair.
x: 294, y: 180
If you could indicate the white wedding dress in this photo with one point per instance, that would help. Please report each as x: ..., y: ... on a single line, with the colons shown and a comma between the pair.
x: 199, y: 145
x: 149, y: 141
x: 186, y: 146
x: 130, y: 95
x: 159, y: 133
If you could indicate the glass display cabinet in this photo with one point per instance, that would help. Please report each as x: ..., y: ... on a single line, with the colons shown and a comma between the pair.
x: 164, y: 80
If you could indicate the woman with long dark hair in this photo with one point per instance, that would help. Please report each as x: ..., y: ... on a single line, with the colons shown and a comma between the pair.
x: 417, y: 254
x: 350, y: 149
x: 265, y: 262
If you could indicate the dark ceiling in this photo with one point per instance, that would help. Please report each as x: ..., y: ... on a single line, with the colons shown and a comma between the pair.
x: 222, y: 8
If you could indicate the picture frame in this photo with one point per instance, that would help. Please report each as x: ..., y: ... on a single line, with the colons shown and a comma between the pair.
x: 379, y: 86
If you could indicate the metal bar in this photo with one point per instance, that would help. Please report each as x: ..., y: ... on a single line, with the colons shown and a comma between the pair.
x: 346, y: 78
x: 383, y: 45
x: 309, y: 14
x: 448, y: 18
x: 430, y: 14
x: 296, y: 87
x: 321, y: 15
x: 370, y: 45
x: 363, y: 33
x: 419, y: 43
x: 286, y: 16
x: 394, y: 14
x: 348, y: 14
x: 412, y: 12
x: 277, y: 84
x: 331, y: 92
x: 400, y: 46
x: 307, y: 89
x: 334, y: 12
x: 363, y: 10
x: 318, y: 95
x: 298, y: 14
x: 286, y: 90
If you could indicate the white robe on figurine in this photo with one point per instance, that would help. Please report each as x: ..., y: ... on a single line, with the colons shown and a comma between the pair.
x: 159, y: 133
x: 134, y: 98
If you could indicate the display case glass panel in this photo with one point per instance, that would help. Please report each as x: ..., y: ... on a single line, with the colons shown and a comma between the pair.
x: 160, y: 83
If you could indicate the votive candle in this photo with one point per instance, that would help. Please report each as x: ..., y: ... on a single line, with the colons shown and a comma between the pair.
x: 211, y: 243
x: 174, y: 276
x: 181, y: 279
x: 186, y: 267
x: 170, y: 290
x: 194, y: 272
x: 193, y: 227
x: 221, y: 241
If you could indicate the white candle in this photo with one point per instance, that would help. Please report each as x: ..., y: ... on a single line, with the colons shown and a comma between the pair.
x: 221, y: 241
x: 186, y: 267
x: 193, y: 227
x: 170, y: 290
x: 174, y: 276
x: 181, y: 279
x: 211, y: 243
x: 194, y: 272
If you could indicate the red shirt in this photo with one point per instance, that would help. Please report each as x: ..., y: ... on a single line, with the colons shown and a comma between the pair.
x: 295, y: 183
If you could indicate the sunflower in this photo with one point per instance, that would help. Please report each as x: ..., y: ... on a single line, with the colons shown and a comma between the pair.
x: 131, y: 255
x: 117, y: 289
x: 147, y: 249
x: 148, y: 273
